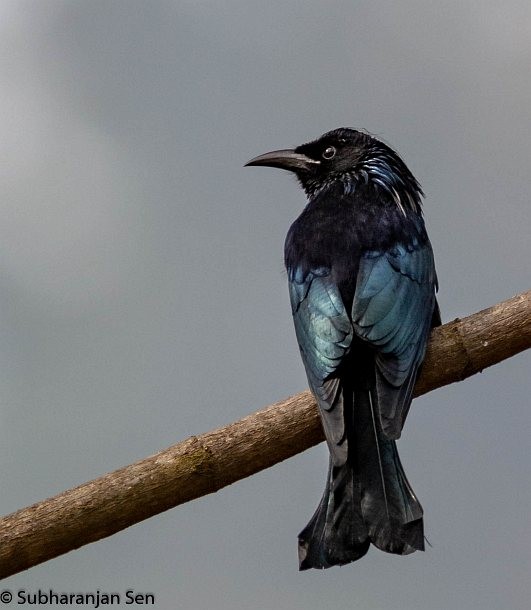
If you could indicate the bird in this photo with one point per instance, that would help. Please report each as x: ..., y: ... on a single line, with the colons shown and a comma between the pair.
x: 362, y: 286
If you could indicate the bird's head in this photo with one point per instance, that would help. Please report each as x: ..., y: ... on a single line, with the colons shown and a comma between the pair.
x: 350, y: 157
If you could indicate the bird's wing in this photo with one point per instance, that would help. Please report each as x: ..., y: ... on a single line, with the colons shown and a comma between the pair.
x: 392, y: 311
x: 324, y: 332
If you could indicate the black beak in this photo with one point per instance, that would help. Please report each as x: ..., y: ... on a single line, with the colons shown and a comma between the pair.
x: 285, y: 159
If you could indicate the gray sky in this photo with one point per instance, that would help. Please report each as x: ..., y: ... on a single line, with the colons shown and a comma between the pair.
x: 143, y: 297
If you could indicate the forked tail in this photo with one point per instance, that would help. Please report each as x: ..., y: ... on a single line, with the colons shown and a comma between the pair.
x: 367, y: 498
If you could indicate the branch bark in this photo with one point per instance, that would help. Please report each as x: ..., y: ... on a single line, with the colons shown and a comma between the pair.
x: 203, y: 464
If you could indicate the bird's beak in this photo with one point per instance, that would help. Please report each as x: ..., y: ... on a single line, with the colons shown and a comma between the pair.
x: 285, y: 159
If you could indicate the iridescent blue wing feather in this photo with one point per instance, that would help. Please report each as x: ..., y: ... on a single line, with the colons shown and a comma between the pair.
x: 324, y: 333
x: 393, y: 311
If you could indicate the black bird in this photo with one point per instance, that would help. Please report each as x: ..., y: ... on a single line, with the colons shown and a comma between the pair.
x: 362, y: 284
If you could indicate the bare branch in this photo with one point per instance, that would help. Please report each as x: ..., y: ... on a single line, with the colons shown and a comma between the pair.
x: 203, y: 464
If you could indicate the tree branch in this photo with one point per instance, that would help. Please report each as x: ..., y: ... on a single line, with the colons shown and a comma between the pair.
x: 203, y: 464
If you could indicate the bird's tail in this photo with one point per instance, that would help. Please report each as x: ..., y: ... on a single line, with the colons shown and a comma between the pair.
x: 367, y: 498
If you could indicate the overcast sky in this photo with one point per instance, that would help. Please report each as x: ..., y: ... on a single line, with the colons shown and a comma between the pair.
x: 143, y: 297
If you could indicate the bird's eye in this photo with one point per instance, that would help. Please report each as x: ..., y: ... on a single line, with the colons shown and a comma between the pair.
x: 329, y: 153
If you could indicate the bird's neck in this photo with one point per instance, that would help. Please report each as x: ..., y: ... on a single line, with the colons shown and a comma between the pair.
x: 387, y: 178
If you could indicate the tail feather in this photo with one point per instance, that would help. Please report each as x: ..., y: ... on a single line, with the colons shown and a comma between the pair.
x: 390, y: 509
x: 367, y: 498
x: 336, y: 534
